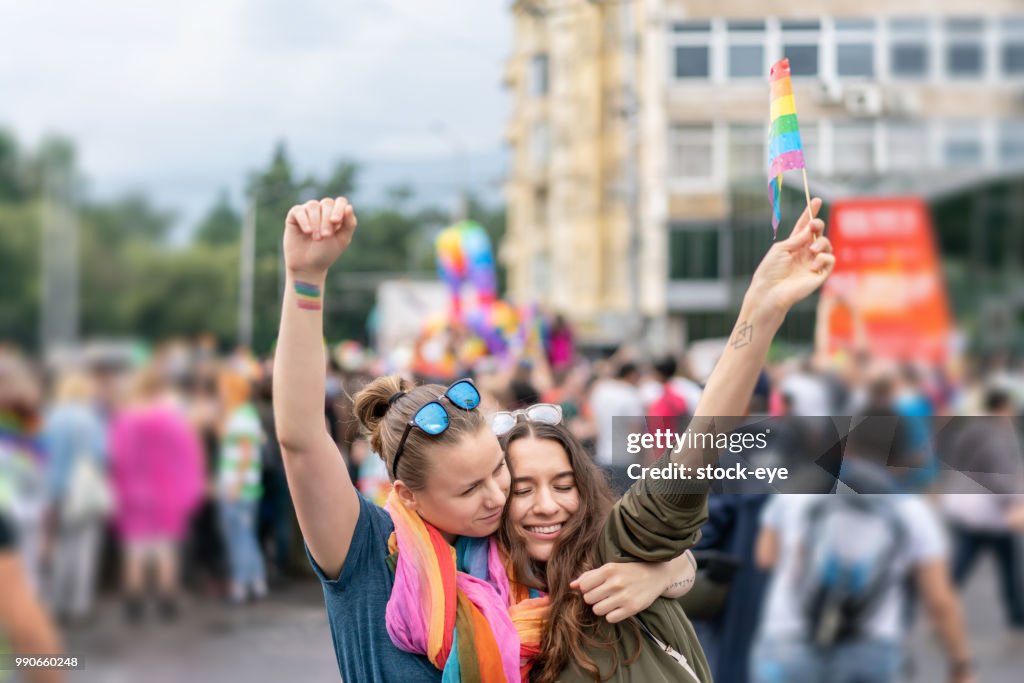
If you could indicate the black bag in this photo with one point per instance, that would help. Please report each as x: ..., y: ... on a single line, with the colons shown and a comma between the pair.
x: 715, y: 571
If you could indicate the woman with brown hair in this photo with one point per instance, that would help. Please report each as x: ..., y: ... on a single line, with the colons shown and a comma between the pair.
x: 561, y: 521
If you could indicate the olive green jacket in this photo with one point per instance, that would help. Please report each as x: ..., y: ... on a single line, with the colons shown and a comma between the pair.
x: 648, y: 525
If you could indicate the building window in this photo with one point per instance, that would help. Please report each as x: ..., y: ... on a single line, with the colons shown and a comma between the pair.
x: 1011, y: 144
x: 690, y: 153
x: 746, y: 48
x: 854, y: 147
x: 540, y: 143
x: 908, y: 47
x: 541, y: 271
x: 747, y: 153
x: 1013, y: 46
x: 693, y: 61
x: 692, y: 49
x: 800, y: 41
x: 812, y: 147
x: 539, y: 70
x: 907, y: 145
x: 693, y: 252
x: 855, y: 48
x: 1013, y: 59
x: 965, y: 50
x: 963, y: 147
x: 690, y: 27
x: 541, y: 207
x: 750, y: 241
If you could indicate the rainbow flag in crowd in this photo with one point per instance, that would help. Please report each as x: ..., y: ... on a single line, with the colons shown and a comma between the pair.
x: 785, y: 151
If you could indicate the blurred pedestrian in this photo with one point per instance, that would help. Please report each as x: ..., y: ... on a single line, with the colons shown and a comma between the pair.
x: 988, y: 450
x: 23, y: 621
x: 276, y: 505
x: 611, y: 399
x: 205, y: 554
x: 239, y: 488
x: 22, y: 460
x: 667, y: 406
x: 156, y: 468
x: 561, y: 349
x: 522, y: 387
x: 74, y: 438
x: 835, y: 605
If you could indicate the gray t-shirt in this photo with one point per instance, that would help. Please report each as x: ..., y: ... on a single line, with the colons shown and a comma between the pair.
x: 356, y: 601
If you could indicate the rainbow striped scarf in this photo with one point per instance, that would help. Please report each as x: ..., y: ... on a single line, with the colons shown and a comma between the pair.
x: 459, y: 599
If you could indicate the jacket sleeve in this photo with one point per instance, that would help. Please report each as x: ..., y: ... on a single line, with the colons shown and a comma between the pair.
x: 653, y: 522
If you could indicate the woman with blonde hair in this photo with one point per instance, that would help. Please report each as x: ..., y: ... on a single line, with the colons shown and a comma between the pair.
x: 75, y: 441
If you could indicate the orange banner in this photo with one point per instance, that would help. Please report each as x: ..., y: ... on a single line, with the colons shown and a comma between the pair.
x: 887, y: 267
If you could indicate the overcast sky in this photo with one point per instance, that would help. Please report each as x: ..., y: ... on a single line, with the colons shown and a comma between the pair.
x: 180, y: 99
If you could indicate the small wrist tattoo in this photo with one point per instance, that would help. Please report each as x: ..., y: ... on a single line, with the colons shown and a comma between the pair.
x: 744, y: 335
x: 682, y: 582
x: 309, y: 296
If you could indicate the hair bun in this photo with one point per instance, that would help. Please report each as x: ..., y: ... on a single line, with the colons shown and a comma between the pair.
x: 372, y: 402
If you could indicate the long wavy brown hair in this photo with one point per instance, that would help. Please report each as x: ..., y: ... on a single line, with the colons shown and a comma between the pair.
x: 577, y: 628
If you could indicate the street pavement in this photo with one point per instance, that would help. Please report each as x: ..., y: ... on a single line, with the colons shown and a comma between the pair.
x: 286, y: 638
x: 283, y: 638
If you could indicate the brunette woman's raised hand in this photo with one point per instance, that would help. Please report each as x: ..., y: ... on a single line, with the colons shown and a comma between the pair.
x: 794, y: 267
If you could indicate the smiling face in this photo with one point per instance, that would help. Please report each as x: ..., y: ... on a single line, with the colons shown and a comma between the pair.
x: 466, y: 488
x: 544, y: 494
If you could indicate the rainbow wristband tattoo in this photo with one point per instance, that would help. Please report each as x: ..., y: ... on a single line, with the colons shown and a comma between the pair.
x: 309, y: 296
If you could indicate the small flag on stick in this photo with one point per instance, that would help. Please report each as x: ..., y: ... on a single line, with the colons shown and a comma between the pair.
x: 785, y: 150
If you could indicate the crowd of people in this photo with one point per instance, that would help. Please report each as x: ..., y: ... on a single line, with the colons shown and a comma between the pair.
x: 142, y: 477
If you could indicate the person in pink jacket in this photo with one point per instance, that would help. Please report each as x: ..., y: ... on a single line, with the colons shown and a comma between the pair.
x: 157, y: 475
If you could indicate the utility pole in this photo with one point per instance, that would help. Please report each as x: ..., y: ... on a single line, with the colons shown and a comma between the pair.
x: 59, y: 309
x: 247, y: 260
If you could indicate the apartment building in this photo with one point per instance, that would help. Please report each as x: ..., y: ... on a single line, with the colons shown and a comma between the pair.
x: 638, y: 189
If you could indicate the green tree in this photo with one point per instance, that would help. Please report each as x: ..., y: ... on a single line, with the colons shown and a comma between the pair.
x: 13, y: 181
x: 130, y: 218
x: 19, y: 272
x: 221, y: 225
x: 342, y: 181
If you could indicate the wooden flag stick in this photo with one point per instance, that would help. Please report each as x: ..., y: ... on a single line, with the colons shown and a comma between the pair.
x: 807, y: 191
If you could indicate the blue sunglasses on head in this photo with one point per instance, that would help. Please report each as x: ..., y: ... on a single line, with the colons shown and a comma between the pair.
x: 433, y: 419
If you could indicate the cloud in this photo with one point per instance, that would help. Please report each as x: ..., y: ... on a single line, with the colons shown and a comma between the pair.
x: 181, y: 100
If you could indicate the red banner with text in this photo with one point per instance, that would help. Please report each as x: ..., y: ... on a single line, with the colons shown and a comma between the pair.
x: 888, y: 270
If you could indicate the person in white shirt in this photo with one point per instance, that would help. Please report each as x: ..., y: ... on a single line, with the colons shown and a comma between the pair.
x: 786, y: 650
x: 618, y: 410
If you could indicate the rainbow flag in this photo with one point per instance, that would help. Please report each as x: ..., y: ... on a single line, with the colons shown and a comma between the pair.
x: 785, y: 151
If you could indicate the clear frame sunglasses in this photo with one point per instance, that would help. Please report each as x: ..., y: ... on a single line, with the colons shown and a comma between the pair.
x: 543, y: 413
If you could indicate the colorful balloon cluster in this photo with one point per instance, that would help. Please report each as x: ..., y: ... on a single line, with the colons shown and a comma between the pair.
x: 464, y: 256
